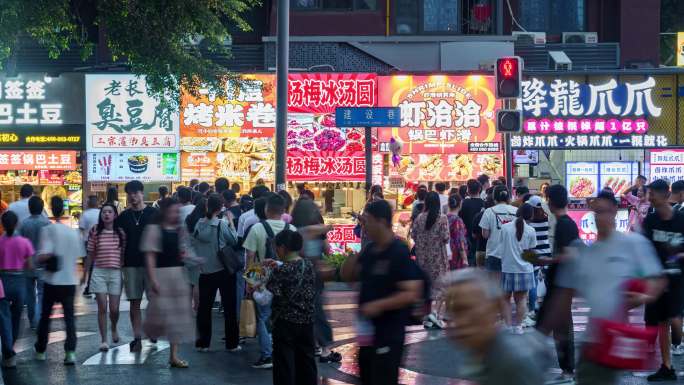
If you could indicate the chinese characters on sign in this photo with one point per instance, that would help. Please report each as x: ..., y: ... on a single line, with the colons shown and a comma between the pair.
x: 326, y: 166
x: 667, y: 165
x: 327, y: 91
x: 22, y: 102
x: 440, y: 114
x: 484, y: 147
x: 120, y: 115
x: 37, y: 160
x: 551, y: 142
x: 343, y: 234
x: 585, y: 126
x: 586, y: 223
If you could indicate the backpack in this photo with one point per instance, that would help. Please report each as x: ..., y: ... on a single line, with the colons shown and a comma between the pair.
x: 270, y: 241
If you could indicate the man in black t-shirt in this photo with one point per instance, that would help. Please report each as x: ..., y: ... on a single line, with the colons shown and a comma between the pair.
x: 565, y: 234
x: 132, y: 221
x: 665, y: 228
x: 471, y: 205
x: 390, y: 285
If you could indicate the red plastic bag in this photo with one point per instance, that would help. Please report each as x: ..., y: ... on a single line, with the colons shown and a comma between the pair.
x: 621, y: 345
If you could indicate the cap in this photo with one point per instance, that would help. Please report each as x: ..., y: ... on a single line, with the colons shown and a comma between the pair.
x: 535, y: 201
x: 659, y: 185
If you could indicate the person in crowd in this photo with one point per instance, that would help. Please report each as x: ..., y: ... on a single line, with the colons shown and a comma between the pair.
x: 89, y: 217
x: 472, y: 303
x: 390, y: 284
x: 256, y: 193
x: 520, y: 193
x: 640, y: 181
x: 440, y: 188
x: 307, y: 218
x: 113, y: 198
x: 106, y: 244
x: 492, y: 221
x: 288, y: 205
x: 260, y: 182
x: 540, y: 224
x: 421, y: 194
x: 472, y: 204
x: 517, y: 275
x: 193, y: 271
x: 258, y: 247
x: 677, y: 196
x: 15, y: 256
x: 236, y: 188
x: 133, y: 221
x: 203, y: 188
x: 259, y: 212
x: 458, y: 234
x: 375, y: 191
x: 30, y: 229
x: 210, y: 235
x: 246, y: 204
x: 60, y: 249
x: 566, y: 233
x: 542, y: 189
x: 664, y: 227
x: 430, y: 232
x: 462, y: 191
x: 602, y: 274
x: 232, y: 208
x: 293, y: 284
x: 638, y: 206
x: 20, y: 207
x: 479, y: 240
x: 485, y: 184
x: 221, y: 184
x: 185, y: 199
x: 163, y: 194
x: 194, y: 183
x: 164, y: 244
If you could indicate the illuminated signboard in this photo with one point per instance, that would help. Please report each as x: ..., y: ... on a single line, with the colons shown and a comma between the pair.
x: 121, y: 116
x: 582, y: 141
x: 667, y: 165
x: 37, y: 160
x: 38, y: 111
x: 123, y: 167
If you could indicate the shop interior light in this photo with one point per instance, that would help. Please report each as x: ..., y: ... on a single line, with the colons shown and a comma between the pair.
x: 400, y: 78
x: 438, y: 78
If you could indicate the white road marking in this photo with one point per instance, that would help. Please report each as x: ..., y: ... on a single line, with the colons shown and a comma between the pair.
x: 26, y: 343
x: 121, y: 355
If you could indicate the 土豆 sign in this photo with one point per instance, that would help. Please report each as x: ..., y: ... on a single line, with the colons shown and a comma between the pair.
x: 367, y: 116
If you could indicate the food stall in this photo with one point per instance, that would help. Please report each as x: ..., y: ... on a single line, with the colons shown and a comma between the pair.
x: 447, y: 132
x: 41, y: 131
x: 231, y: 137
x: 129, y: 136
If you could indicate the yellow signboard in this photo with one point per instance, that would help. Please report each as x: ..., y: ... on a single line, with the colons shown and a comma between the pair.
x: 680, y: 48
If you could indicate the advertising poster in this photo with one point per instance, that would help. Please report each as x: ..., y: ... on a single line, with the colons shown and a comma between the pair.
x: 453, y: 167
x: 618, y: 176
x: 526, y: 156
x: 581, y: 179
x: 586, y: 223
x: 439, y: 114
x: 121, y: 116
x: 38, y: 160
x: 667, y: 165
x: 210, y: 165
x: 123, y: 167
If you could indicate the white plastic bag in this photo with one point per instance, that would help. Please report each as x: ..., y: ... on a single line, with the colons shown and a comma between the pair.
x: 263, y: 297
x: 541, y: 288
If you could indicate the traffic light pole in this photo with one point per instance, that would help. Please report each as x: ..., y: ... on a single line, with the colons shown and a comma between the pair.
x: 282, y: 62
x: 508, y: 153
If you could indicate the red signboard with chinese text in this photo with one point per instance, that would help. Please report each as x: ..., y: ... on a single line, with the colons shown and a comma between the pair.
x: 439, y: 114
x: 343, y: 234
x: 326, y: 166
x: 38, y: 160
x: 324, y: 92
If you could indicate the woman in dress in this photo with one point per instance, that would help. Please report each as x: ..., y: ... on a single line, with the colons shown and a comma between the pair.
x: 106, y: 243
x: 430, y: 232
x: 517, y: 275
x: 458, y: 232
x: 169, y: 312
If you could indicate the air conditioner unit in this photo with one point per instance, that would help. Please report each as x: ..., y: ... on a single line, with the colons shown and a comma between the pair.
x: 580, y: 37
x: 529, y: 37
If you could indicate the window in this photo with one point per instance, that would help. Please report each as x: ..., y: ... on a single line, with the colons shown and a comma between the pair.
x: 335, y: 5
x: 445, y: 16
x: 552, y: 16
x: 440, y: 16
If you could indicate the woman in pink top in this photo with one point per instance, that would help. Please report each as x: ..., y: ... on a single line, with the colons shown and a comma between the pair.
x: 638, y: 207
x: 15, y: 257
x: 106, y: 243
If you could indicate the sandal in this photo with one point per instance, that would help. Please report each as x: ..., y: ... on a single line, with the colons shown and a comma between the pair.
x: 332, y: 358
x: 179, y: 364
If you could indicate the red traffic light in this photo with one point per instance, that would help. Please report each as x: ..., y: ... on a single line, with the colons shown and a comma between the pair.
x: 508, y: 75
x: 508, y: 67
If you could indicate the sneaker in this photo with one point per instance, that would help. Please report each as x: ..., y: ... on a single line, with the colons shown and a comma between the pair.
x: 663, y: 374
x: 235, y: 349
x: 70, y: 358
x: 40, y: 356
x: 10, y: 363
x: 528, y: 322
x: 135, y: 346
x: 263, y: 363
x: 677, y: 350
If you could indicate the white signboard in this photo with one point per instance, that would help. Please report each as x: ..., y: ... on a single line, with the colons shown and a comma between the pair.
x: 123, y: 167
x: 667, y: 165
x: 121, y: 116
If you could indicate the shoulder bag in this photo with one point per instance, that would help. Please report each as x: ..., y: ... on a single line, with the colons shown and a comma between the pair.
x: 227, y: 255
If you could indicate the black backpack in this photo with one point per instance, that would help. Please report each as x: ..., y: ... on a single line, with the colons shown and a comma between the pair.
x: 270, y: 241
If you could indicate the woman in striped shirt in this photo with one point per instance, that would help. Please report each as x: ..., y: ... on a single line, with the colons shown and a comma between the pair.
x: 540, y: 223
x: 106, y: 243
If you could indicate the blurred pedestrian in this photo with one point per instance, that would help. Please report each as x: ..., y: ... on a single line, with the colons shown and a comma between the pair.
x: 517, y: 275
x: 106, y: 244
x: 15, y: 257
x: 236, y: 188
x: 192, y: 271
x: 520, y: 193
x: 677, y: 196
x: 204, y: 188
x: 232, y: 208
x: 185, y: 199
x: 60, y: 248
x: 292, y: 283
x: 256, y: 193
x: 163, y: 194
x: 458, y: 234
x: 492, y: 220
x: 89, y: 217
x: 430, y: 232
x: 462, y: 191
x: 472, y: 204
x: 483, y: 179
x: 212, y: 234
x: 440, y: 188
x: 288, y: 205
x: 169, y: 312
x: 540, y: 223
x: 20, y: 207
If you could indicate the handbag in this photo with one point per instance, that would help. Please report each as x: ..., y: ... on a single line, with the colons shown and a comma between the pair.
x: 227, y: 255
x: 247, y: 319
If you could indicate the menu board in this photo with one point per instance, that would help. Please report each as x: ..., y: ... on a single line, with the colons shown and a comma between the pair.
x: 667, y: 165
x: 454, y: 167
x: 210, y: 165
x: 581, y: 179
x: 120, y: 167
x: 525, y: 156
x: 618, y: 176
x: 586, y: 223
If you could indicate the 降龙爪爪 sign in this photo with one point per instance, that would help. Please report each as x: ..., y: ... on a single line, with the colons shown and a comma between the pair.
x: 584, y: 141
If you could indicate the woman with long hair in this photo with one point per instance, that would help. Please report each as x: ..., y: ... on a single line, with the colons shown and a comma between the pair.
x: 169, y: 312
x: 458, y: 232
x: 106, y: 243
x: 193, y: 271
x: 210, y: 235
x: 430, y: 232
x: 517, y: 277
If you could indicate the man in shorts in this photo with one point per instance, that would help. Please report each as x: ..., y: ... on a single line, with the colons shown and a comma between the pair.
x: 133, y: 220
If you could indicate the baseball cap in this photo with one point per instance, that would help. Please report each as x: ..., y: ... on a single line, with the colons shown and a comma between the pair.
x: 659, y: 185
x: 535, y: 201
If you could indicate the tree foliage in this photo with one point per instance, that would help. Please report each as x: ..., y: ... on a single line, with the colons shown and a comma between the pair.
x: 153, y: 37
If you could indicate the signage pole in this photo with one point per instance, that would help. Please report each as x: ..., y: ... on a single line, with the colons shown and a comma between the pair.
x: 369, y: 157
x: 508, y: 154
x: 282, y: 62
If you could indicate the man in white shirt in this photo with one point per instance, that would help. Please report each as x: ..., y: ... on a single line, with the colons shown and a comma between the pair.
x: 492, y: 221
x: 89, y: 217
x: 440, y: 187
x: 20, y: 207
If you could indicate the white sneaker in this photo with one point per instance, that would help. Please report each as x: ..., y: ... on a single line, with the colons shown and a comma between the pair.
x: 677, y: 350
x: 528, y: 322
x: 432, y: 317
x: 518, y: 330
